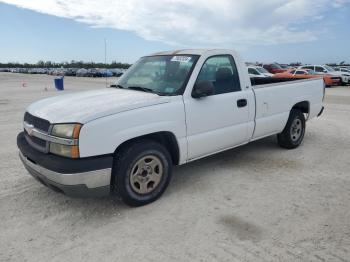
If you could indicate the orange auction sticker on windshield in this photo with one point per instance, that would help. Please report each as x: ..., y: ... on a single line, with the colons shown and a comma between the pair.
x: 181, y: 59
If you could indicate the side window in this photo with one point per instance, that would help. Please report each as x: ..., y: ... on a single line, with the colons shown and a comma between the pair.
x: 222, y: 72
x: 292, y: 72
x: 300, y: 73
x: 252, y: 71
x: 308, y: 67
x: 319, y: 69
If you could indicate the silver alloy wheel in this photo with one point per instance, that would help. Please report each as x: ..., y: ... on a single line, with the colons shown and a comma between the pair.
x: 296, y: 129
x: 146, y: 174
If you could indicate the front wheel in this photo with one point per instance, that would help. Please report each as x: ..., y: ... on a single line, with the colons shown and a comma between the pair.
x: 141, y: 172
x: 294, y: 131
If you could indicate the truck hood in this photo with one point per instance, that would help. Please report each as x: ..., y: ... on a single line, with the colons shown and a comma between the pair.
x: 85, y: 106
x: 337, y: 73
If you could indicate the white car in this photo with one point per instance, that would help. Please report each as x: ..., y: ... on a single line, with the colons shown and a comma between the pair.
x: 327, y: 70
x: 258, y: 71
x: 342, y: 69
x: 169, y: 108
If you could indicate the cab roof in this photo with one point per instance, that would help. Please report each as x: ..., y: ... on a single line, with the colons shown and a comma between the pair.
x: 192, y: 52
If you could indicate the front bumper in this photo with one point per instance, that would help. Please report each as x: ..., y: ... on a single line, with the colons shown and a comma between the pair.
x: 85, y: 177
x: 345, y: 79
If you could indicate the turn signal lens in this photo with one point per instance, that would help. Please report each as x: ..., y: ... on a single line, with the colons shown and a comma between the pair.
x: 76, y: 131
x: 74, y: 152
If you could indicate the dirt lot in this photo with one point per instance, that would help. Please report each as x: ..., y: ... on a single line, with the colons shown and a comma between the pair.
x: 254, y: 203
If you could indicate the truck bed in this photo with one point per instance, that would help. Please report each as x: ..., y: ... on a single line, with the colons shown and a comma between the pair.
x: 275, y: 100
x: 258, y: 81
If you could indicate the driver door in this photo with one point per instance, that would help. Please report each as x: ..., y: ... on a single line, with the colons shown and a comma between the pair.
x: 219, y: 121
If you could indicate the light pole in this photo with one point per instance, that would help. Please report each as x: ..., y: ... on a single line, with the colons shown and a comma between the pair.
x: 106, y: 60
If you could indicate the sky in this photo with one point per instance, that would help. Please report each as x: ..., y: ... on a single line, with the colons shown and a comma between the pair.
x: 308, y: 31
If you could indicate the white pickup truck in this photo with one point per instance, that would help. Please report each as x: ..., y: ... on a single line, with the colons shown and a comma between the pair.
x: 168, y: 109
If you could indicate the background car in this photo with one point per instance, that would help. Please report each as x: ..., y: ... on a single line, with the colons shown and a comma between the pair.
x: 273, y: 68
x: 342, y: 69
x: 258, y: 71
x: 325, y: 69
x: 286, y: 67
x: 58, y: 72
x: 106, y: 72
x: 117, y: 72
x: 329, y: 80
x: 70, y: 72
x: 81, y: 72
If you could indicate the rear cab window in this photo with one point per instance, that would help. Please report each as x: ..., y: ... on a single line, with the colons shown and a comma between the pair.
x: 253, y: 71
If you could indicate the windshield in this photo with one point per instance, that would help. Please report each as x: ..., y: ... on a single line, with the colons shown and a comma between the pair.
x: 276, y: 66
x: 330, y: 69
x: 163, y: 75
x: 262, y: 70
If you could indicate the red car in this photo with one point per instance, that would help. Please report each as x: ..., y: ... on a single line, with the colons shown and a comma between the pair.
x: 274, y: 68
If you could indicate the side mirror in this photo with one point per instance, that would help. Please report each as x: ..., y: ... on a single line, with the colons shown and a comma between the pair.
x: 325, y: 71
x: 202, y: 89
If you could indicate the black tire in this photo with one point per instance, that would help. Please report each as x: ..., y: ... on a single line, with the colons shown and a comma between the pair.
x: 126, y: 159
x: 290, y: 138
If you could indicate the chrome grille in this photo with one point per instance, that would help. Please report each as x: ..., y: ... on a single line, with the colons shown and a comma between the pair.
x: 37, y: 122
x: 36, y: 140
x: 40, y: 124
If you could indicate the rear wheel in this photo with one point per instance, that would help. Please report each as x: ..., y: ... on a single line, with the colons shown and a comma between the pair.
x: 141, y: 172
x: 294, y: 131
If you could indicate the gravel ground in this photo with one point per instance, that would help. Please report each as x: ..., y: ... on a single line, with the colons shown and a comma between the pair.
x: 254, y: 203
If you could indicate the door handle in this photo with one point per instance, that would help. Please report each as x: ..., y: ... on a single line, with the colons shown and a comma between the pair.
x: 242, y: 102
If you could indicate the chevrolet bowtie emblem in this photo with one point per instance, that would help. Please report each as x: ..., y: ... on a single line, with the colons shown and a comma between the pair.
x: 29, y: 128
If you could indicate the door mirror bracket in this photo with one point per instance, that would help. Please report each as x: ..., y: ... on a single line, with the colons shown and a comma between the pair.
x: 202, y: 89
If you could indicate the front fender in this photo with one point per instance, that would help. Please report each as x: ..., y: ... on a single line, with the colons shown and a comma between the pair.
x: 102, y: 136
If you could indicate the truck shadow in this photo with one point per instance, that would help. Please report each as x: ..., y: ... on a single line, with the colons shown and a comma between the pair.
x: 237, y: 158
x: 104, y: 209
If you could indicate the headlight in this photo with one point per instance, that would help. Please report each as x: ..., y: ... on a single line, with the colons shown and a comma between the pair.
x: 66, y: 130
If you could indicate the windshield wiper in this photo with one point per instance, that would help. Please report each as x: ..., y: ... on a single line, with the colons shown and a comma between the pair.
x: 144, y: 89
x: 116, y: 86
x: 139, y: 88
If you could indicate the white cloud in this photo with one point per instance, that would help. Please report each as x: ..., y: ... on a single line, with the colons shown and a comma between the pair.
x: 197, y: 22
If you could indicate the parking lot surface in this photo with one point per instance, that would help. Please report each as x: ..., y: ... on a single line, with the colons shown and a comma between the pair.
x: 258, y: 202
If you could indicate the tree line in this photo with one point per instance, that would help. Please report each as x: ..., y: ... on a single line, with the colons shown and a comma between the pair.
x: 71, y: 64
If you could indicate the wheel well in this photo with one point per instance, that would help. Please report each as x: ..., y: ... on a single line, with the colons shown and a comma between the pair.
x: 167, y: 139
x: 303, y: 106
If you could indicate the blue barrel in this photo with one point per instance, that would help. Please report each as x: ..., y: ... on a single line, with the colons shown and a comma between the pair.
x: 59, y: 83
